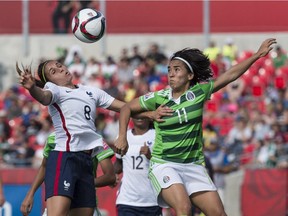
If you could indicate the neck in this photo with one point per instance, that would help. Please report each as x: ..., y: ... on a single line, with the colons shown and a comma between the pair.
x: 177, y: 92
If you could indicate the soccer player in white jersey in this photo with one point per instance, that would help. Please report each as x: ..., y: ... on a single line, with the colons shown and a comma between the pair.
x: 178, y: 171
x: 69, y: 180
x: 101, y: 156
x: 135, y: 195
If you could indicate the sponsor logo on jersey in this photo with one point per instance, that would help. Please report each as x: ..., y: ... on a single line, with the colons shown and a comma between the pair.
x: 148, y: 96
x: 190, y: 96
x: 166, y: 179
x: 66, y: 185
x: 67, y: 91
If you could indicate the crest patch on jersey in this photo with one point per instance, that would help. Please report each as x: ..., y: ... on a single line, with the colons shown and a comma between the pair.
x: 149, y: 143
x: 190, y: 96
x: 166, y: 179
x: 89, y: 93
x: 148, y: 96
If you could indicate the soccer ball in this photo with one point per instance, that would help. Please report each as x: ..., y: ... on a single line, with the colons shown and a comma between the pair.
x: 88, y: 25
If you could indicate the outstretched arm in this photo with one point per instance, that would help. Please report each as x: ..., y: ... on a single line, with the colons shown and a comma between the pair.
x: 27, y: 203
x: 237, y: 70
x: 28, y: 81
x: 152, y: 115
x: 108, y: 177
x: 121, y: 145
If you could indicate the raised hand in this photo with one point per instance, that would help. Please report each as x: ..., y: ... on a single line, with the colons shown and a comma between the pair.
x: 265, y: 47
x: 145, y: 151
x: 25, y: 76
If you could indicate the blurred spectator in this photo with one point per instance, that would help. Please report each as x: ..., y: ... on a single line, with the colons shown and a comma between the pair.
x: 15, y: 110
x: 218, y: 65
x: 235, y: 90
x: 230, y: 50
x: 130, y: 92
x: 209, y: 134
x: 81, y: 4
x: 136, y: 58
x: 265, y: 155
x: 125, y: 71
x: 77, y: 67
x: 112, y: 128
x: 124, y: 54
x: 29, y: 111
x: 109, y: 67
x: 280, y: 57
x: 71, y: 53
x: 212, y: 51
x: 61, y: 16
x: 5, y: 129
x: 93, y: 75
x: 155, y: 54
x: 217, y: 157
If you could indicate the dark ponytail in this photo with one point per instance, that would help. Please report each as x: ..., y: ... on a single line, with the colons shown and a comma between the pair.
x: 41, y: 74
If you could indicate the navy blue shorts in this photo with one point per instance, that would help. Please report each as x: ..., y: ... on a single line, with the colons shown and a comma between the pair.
x: 71, y: 174
x: 126, y: 210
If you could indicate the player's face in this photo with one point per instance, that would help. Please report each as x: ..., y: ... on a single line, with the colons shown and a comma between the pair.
x: 141, y: 123
x: 178, y: 75
x: 58, y: 73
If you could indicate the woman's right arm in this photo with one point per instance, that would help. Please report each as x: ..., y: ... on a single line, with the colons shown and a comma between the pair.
x: 28, y: 81
x: 126, y: 111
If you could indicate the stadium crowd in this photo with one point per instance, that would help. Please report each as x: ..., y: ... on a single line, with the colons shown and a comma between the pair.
x: 245, y: 124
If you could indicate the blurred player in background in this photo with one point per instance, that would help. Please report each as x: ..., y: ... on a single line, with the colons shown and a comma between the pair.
x: 177, y: 164
x: 135, y: 195
x: 101, y: 155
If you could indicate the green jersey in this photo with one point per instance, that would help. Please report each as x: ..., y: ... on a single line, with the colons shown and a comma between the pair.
x: 179, y: 138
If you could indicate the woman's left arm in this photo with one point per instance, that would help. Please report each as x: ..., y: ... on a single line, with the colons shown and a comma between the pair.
x: 237, y: 70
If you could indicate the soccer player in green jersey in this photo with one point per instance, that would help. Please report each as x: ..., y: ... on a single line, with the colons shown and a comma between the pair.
x: 101, y: 156
x: 177, y: 167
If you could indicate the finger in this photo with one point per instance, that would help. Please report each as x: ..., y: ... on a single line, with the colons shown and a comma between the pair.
x: 24, y: 70
x: 160, y: 120
x: 29, y: 68
x: 18, y: 69
x: 145, y: 143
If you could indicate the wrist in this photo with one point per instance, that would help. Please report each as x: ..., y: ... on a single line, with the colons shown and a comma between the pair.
x: 32, y: 87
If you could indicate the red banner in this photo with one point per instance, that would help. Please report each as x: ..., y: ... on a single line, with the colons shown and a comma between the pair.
x: 265, y: 192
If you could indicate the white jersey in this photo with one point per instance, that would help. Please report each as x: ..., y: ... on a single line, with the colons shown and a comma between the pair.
x: 73, y: 112
x: 135, y: 188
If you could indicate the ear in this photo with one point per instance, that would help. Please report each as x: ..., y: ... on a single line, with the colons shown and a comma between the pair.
x: 190, y: 76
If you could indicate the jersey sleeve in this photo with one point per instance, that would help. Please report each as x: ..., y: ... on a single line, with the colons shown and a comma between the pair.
x: 54, y: 90
x: 50, y: 145
x: 148, y: 101
x: 103, y: 99
x: 207, y: 87
x: 102, y: 152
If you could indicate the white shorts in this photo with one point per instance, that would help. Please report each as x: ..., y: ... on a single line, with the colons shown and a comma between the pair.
x: 194, y: 177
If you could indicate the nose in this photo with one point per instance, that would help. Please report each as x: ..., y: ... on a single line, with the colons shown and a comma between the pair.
x: 171, y: 73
